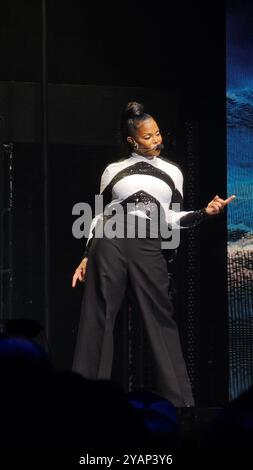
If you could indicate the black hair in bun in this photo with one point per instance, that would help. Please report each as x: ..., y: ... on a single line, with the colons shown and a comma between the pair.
x: 131, y: 116
x: 133, y: 109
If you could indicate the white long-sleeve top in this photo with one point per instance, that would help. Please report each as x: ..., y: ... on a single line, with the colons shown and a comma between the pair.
x: 138, y: 179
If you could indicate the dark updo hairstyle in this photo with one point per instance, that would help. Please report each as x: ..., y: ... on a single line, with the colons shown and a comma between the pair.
x: 131, y: 117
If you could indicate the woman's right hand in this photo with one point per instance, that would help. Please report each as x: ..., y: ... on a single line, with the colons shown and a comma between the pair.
x: 79, y: 273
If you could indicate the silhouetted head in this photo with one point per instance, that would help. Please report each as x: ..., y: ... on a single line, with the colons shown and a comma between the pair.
x: 19, y: 356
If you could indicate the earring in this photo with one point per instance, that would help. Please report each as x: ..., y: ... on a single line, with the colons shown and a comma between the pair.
x: 135, y: 145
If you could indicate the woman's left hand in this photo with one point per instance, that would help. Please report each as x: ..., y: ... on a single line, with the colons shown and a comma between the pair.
x: 217, y: 205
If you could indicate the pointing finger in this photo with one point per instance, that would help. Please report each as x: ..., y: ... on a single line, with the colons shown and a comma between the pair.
x: 229, y: 199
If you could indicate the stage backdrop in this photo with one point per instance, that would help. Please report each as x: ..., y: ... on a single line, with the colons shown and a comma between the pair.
x: 240, y: 182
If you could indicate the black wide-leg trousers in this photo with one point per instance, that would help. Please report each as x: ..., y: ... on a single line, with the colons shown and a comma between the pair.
x: 113, y: 265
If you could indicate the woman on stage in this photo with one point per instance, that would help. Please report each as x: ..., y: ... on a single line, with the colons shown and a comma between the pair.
x: 112, y: 265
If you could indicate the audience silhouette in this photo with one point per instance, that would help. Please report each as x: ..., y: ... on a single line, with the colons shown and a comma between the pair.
x: 44, y: 408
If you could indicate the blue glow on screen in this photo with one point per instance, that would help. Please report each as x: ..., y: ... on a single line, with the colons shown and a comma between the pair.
x: 240, y: 182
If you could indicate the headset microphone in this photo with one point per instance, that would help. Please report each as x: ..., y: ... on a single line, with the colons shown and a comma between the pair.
x: 157, y: 147
x: 145, y: 149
